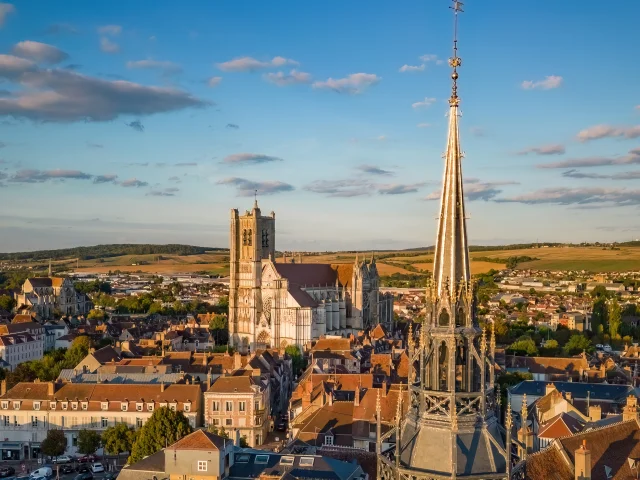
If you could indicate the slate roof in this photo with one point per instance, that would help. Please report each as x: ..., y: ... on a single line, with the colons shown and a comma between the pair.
x: 598, y: 391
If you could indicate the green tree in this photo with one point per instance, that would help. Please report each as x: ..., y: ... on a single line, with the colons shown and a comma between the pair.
x: 614, y: 314
x: 54, y: 444
x: 243, y: 442
x: 165, y: 427
x: 297, y: 360
x: 7, y: 303
x: 97, y: 314
x: 524, y: 346
x: 88, y: 441
x: 22, y: 373
x: 219, y: 326
x: 118, y: 439
x: 577, y: 344
x: 77, y: 351
x: 218, y: 431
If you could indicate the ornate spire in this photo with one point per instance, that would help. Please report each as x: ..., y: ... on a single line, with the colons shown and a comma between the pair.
x: 410, y: 342
x: 525, y: 411
x: 451, y: 261
x: 509, y: 420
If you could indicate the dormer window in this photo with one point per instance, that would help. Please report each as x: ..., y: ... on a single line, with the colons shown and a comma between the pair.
x: 187, y: 407
x: 124, y: 406
x: 85, y: 405
x: 16, y: 405
x: 5, y: 405
x: 53, y: 405
x: 150, y: 407
x: 74, y: 405
x: 36, y: 405
x: 104, y: 405
x: 65, y: 405
x: 139, y: 407
x: 163, y: 405
x: 173, y: 407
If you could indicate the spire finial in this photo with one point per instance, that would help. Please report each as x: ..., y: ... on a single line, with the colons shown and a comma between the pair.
x: 509, y: 420
x: 378, y: 403
x: 455, y: 61
x: 525, y: 410
x: 255, y: 198
x: 410, y: 342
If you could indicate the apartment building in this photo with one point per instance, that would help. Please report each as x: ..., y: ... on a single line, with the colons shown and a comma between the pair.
x: 29, y: 410
x: 21, y: 342
x: 239, y: 403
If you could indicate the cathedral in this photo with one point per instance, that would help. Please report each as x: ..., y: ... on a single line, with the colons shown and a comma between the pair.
x: 277, y: 304
x: 452, y: 428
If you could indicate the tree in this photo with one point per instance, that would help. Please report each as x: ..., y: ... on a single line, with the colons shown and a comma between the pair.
x: 297, y: 360
x: 577, y: 344
x: 22, y: 373
x: 78, y: 350
x: 97, y: 314
x: 88, y: 441
x: 219, y: 325
x: 524, y: 346
x: 614, y: 314
x: 7, y: 303
x: 118, y: 439
x: 165, y: 427
x: 218, y: 431
x: 54, y: 444
x: 243, y: 442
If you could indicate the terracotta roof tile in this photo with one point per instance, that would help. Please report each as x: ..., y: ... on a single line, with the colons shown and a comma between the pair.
x: 200, y: 440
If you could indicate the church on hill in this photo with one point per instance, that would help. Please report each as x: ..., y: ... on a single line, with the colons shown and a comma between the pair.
x: 274, y: 305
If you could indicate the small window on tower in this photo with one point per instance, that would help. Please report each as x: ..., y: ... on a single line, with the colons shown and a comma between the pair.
x: 443, y: 320
x: 249, y: 235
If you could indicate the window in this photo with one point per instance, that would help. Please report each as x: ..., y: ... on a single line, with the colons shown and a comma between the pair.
x: 104, y: 422
x: 150, y: 407
x: 261, y: 459
x: 328, y: 440
x: 287, y: 460
x: 36, y: 405
x: 229, y: 406
x: 53, y: 405
x: 173, y: 407
x: 138, y: 423
x: 74, y: 440
x: 65, y: 405
x: 104, y: 405
x: 228, y: 422
x: 139, y: 407
x: 74, y: 406
x: 124, y: 406
x: 34, y: 421
x: 215, y: 406
x: 15, y: 421
x: 306, y: 462
x: 216, y: 421
x: 6, y: 420
x: 187, y: 407
x: 5, y: 405
x: 16, y: 405
x: 242, y: 406
x: 202, y: 465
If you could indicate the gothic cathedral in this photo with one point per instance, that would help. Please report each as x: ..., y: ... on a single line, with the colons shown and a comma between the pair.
x: 277, y: 304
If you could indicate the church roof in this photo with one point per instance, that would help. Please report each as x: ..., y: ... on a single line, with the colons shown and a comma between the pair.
x: 37, y: 282
x: 310, y: 274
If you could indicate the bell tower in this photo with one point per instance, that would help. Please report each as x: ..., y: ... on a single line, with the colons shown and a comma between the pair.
x: 252, y: 240
x: 451, y: 429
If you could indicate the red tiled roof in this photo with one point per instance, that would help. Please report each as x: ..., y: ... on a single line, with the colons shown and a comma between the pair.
x: 561, y: 425
x: 200, y: 440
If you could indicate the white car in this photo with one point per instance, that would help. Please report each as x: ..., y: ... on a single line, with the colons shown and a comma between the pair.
x: 97, y: 468
x: 63, y: 459
x: 607, y: 348
x: 42, y: 472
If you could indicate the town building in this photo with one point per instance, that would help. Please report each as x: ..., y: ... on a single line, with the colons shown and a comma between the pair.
x: 240, y: 403
x: 29, y: 410
x: 276, y: 304
x: 21, y: 342
x: 44, y: 296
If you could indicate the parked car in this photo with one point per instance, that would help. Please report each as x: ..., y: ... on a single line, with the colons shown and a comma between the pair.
x: 84, y: 476
x: 87, y: 459
x: 62, y: 459
x: 97, y: 468
x: 83, y: 467
x: 7, y: 471
x: 41, y: 472
x: 66, y: 468
x: 110, y: 476
x: 607, y: 348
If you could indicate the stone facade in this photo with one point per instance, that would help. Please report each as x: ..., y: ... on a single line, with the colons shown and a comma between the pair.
x: 277, y: 304
x: 43, y: 296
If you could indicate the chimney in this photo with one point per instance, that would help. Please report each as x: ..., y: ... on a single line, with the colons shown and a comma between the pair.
x: 569, y: 397
x: 51, y: 387
x: 630, y: 412
x: 595, y: 413
x: 208, y: 379
x: 204, y: 359
x: 237, y: 435
x: 550, y: 387
x: 356, y: 398
x: 583, y: 462
x: 3, y: 387
x: 162, y: 386
x: 237, y: 361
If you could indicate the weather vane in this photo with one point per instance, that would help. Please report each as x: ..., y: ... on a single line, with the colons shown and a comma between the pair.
x: 455, y: 61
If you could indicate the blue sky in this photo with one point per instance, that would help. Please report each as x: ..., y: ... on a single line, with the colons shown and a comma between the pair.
x: 147, y: 121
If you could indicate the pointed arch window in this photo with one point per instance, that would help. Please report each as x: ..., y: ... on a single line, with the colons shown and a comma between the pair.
x: 443, y: 319
x: 443, y: 368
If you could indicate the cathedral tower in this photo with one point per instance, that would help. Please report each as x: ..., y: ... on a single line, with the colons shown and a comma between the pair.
x: 450, y: 430
x: 252, y: 240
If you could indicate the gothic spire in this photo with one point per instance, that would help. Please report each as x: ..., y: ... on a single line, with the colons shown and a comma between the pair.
x: 451, y: 261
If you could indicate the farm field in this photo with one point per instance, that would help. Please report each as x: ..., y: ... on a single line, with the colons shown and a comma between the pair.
x: 593, y: 259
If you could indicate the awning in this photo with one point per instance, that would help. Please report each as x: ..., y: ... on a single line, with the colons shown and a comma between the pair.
x: 10, y: 445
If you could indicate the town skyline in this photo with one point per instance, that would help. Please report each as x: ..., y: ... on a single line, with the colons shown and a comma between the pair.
x: 163, y: 158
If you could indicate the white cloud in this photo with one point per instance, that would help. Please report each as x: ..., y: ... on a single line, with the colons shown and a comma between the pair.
x: 578, y: 196
x: 549, y: 82
x: 110, y: 30
x: 214, y: 81
x: 429, y: 57
x: 5, y: 9
x: 133, y: 182
x: 608, y: 131
x: 544, y: 150
x: 474, y: 189
x: 40, y: 52
x: 292, y: 78
x: 423, y: 125
x: 412, y: 68
x: 399, y: 189
x: 165, y: 66
x: 427, y: 102
x: 249, y: 158
x: 351, y: 84
x: 250, y: 64
x: 107, y: 46
x: 247, y: 188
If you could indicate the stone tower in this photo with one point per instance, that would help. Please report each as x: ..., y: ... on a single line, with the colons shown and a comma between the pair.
x: 252, y: 239
x: 451, y: 429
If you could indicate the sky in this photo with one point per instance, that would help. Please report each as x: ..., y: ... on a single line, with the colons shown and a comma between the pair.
x: 147, y: 121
